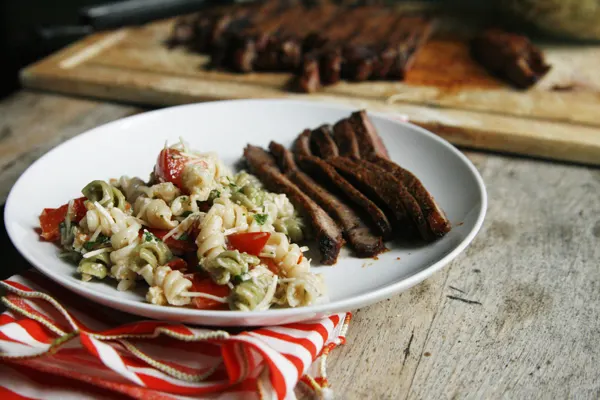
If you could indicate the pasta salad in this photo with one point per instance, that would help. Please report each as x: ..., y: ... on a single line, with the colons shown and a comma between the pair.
x: 196, y: 234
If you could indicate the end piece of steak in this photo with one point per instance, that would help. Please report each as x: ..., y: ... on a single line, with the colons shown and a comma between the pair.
x: 368, y: 139
x: 329, y: 236
x: 510, y: 56
x: 358, y: 234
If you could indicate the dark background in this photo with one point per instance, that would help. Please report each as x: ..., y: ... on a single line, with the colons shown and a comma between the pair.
x: 18, y: 43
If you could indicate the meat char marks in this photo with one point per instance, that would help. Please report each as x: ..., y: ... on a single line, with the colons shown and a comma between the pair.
x: 333, y: 181
x: 510, y: 56
x: 359, y: 129
x: 357, y: 233
x: 343, y: 181
x: 320, y: 42
x: 366, y: 135
x: 434, y: 215
x: 329, y: 236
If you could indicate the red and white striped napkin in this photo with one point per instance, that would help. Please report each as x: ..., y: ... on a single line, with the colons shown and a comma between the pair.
x: 56, y: 345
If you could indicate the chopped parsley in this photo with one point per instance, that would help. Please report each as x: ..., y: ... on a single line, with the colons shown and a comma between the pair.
x: 99, y: 242
x: 214, y: 194
x: 149, y: 237
x: 183, y: 237
x: 261, y: 218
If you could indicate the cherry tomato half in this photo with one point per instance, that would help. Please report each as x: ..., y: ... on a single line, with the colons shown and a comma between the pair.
x: 169, y: 166
x: 249, y: 242
x: 203, y: 284
x: 51, y: 218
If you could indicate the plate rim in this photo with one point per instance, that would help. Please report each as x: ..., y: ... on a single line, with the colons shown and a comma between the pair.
x: 214, y: 315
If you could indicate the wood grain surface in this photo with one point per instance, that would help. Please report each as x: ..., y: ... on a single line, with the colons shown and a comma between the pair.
x: 515, y: 316
x: 446, y: 91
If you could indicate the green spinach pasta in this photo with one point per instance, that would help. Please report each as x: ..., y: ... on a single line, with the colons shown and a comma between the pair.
x: 194, y: 234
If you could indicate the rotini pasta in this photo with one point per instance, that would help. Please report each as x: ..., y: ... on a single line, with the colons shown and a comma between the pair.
x: 256, y: 293
x: 288, y: 256
x: 229, y: 264
x: 234, y: 240
x: 172, y: 284
x: 105, y: 194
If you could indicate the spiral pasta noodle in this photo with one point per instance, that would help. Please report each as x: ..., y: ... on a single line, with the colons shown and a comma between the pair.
x: 288, y: 257
x: 229, y: 264
x: 105, y: 194
x: 256, y: 293
x: 155, y: 212
x: 211, y: 239
x: 301, y: 291
x: 132, y: 188
x: 184, y: 205
x: 172, y: 285
x: 165, y: 191
x: 95, y: 266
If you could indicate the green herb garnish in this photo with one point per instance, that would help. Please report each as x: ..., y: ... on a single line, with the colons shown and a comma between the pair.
x: 261, y: 218
x: 148, y: 237
x: 214, y: 194
x: 183, y: 237
x: 100, y: 241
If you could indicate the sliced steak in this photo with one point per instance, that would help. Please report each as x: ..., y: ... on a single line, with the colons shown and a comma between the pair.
x: 309, y: 80
x: 358, y: 234
x: 368, y: 139
x: 322, y: 144
x: 436, y: 219
x: 345, y: 139
x: 510, y: 56
x: 329, y: 236
x: 327, y: 174
x: 302, y: 144
x: 388, y: 192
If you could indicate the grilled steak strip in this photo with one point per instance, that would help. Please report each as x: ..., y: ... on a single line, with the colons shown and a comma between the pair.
x: 322, y: 143
x: 302, y: 144
x: 345, y: 139
x: 364, y: 243
x: 329, y: 177
x: 433, y: 213
x: 368, y: 139
x: 510, y: 56
x: 388, y: 192
x: 410, y: 35
x: 329, y: 236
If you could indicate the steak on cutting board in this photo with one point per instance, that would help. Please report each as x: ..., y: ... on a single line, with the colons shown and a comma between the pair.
x: 510, y: 56
x: 328, y: 234
x: 358, y: 234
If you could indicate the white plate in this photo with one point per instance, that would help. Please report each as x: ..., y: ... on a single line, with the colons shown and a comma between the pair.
x: 130, y: 147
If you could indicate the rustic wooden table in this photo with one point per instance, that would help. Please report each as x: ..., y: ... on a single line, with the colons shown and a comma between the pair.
x: 516, y: 316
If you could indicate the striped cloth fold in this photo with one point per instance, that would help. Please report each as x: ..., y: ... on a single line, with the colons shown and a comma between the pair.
x: 62, y: 346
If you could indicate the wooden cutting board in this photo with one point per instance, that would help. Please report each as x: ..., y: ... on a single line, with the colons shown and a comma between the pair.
x: 446, y: 91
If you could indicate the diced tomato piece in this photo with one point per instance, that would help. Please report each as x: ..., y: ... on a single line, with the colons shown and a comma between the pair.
x: 79, y: 209
x: 249, y: 242
x: 51, y: 218
x: 270, y: 263
x: 175, y: 244
x: 177, y: 264
x: 169, y: 166
x: 203, y: 284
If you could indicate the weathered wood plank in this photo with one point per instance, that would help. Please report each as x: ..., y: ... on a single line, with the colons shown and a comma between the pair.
x: 521, y: 321
x: 533, y: 268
